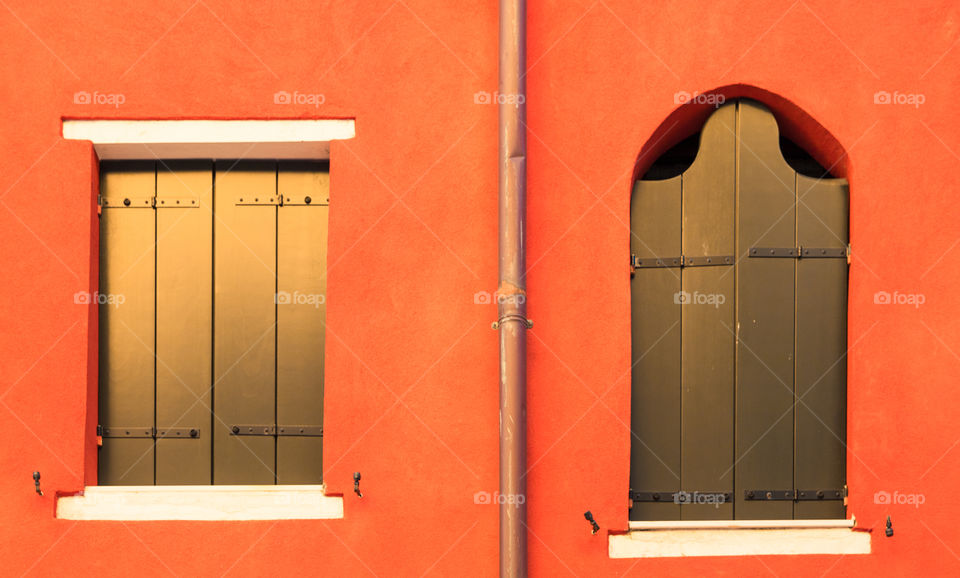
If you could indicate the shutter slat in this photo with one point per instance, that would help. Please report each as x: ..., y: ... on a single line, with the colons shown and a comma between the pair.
x: 245, y: 239
x: 127, y: 238
x: 765, y: 301
x: 301, y: 317
x: 655, y: 406
x: 822, y: 220
x: 184, y: 312
x: 708, y: 320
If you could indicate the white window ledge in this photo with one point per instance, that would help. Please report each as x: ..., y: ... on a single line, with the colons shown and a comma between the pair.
x: 738, y: 538
x: 210, y: 139
x: 213, y: 503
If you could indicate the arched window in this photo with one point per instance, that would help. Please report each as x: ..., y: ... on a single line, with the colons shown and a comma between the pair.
x: 739, y: 315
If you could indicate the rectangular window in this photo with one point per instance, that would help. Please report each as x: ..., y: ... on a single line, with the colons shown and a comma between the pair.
x: 212, y: 314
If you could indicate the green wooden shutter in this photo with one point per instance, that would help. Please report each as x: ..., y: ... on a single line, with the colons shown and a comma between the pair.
x: 227, y: 283
x: 751, y: 415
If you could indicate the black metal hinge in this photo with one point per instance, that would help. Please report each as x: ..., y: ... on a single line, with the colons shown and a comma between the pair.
x: 255, y: 199
x: 148, y: 202
x: 682, y: 497
x: 800, y: 252
x: 681, y: 261
x: 794, y: 495
x: 148, y: 432
x: 277, y: 430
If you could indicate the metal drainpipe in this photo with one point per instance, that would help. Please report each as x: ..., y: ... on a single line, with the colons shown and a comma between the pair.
x: 512, y: 309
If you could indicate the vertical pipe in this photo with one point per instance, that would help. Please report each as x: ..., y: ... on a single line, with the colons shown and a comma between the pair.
x: 511, y: 293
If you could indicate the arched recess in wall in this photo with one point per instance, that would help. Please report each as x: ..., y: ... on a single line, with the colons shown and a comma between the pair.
x: 739, y: 256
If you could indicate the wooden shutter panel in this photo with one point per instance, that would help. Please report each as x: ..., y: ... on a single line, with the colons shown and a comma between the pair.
x: 655, y: 412
x: 822, y: 222
x: 765, y: 298
x: 245, y: 321
x: 235, y: 397
x: 301, y: 318
x: 774, y: 427
x: 184, y: 331
x: 127, y: 237
x: 708, y: 320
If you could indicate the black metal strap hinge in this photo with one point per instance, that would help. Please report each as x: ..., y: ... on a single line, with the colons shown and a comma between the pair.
x: 148, y: 202
x: 277, y: 430
x: 682, y: 497
x: 681, y: 261
x: 800, y: 252
x: 148, y: 432
x: 794, y: 495
x: 255, y: 199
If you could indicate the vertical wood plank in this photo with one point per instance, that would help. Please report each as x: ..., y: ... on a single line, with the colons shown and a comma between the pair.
x: 765, y: 302
x: 655, y: 406
x: 708, y: 322
x: 184, y: 317
x: 301, y: 316
x: 822, y: 221
x: 127, y: 237
x: 244, y: 322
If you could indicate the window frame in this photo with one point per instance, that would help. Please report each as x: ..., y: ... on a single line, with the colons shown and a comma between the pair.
x: 307, y: 139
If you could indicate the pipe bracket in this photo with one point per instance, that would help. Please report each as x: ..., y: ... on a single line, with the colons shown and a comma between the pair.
x: 528, y: 323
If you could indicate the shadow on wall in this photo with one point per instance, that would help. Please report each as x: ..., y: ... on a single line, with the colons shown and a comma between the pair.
x: 795, y: 125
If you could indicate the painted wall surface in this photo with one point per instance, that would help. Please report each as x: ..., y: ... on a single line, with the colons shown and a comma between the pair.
x: 411, y: 398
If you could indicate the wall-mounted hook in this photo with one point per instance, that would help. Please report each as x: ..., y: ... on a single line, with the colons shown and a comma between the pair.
x: 589, y: 517
x: 356, y: 484
x: 36, y: 482
x: 889, y: 530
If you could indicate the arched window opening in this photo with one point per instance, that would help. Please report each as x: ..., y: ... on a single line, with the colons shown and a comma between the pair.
x: 739, y: 253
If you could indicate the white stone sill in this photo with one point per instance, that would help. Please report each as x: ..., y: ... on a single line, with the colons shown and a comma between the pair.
x: 738, y: 538
x: 206, y: 503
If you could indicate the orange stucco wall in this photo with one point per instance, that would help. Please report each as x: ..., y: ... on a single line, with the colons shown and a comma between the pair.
x: 411, y: 378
